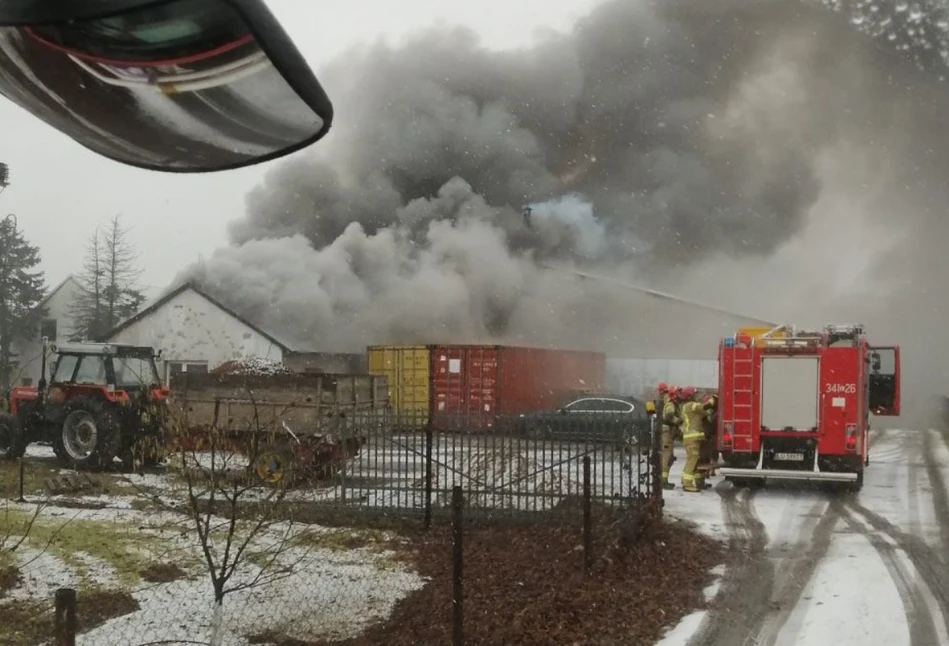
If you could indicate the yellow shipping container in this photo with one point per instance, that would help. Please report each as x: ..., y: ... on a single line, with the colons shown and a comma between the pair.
x: 407, y: 369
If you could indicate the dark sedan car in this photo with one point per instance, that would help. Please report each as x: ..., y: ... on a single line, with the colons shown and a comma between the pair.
x: 592, y: 418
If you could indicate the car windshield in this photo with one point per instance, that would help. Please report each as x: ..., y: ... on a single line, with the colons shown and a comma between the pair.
x: 134, y: 371
x: 460, y: 308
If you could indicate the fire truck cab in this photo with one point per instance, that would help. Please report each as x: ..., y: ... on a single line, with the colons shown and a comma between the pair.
x: 795, y: 405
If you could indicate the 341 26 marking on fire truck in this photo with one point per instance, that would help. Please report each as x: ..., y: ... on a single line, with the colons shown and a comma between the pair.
x: 841, y: 389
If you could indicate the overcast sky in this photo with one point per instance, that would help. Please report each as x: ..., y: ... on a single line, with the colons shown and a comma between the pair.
x: 61, y: 191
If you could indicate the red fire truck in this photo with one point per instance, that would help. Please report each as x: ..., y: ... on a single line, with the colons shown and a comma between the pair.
x: 795, y: 405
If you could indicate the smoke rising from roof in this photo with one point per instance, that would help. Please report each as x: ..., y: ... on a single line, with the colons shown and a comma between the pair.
x: 766, y: 155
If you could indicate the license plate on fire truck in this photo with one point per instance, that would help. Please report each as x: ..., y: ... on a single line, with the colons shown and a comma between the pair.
x: 789, y: 457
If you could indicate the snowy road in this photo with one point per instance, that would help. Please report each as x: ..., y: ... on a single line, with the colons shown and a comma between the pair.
x: 814, y: 567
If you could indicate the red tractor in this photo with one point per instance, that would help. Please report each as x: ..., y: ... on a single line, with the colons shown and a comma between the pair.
x: 103, y: 401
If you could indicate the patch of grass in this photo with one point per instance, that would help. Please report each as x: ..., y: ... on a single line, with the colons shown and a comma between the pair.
x: 344, y: 539
x: 35, y: 473
x: 124, y: 546
x: 27, y: 623
x: 388, y: 546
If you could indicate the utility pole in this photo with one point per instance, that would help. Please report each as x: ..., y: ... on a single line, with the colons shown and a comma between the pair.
x: 5, y: 306
x: 4, y: 297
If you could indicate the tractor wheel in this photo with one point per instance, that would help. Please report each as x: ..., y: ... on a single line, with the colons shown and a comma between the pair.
x: 276, y: 467
x: 91, y: 434
x: 12, y: 444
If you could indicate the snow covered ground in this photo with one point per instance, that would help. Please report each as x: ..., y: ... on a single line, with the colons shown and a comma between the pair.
x: 322, y: 582
x: 814, y: 567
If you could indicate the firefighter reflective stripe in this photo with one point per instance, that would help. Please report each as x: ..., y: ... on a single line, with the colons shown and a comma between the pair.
x: 669, y: 414
x: 692, y: 435
x: 691, y: 417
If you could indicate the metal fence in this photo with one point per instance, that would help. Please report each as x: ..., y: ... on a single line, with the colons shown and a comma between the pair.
x: 514, y: 466
x: 132, y: 544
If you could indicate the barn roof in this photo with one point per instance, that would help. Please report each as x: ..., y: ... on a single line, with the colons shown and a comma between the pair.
x: 157, y: 304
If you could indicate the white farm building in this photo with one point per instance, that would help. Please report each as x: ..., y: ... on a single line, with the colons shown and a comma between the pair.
x: 57, y: 326
x: 196, y: 333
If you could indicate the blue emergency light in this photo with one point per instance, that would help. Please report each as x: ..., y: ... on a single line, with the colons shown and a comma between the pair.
x: 729, y: 342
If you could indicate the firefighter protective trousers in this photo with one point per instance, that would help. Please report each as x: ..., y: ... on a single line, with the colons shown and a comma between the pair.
x: 670, y: 426
x: 693, y: 437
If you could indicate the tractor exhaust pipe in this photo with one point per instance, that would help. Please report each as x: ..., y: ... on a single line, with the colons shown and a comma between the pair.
x: 41, y: 384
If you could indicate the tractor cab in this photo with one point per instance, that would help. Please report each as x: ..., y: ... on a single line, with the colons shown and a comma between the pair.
x: 115, y: 371
x: 100, y: 401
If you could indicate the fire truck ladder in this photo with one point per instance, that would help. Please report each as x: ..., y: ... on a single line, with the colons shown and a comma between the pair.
x: 742, y: 381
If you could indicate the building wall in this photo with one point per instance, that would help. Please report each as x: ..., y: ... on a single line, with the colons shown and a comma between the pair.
x: 639, y: 377
x: 191, y: 329
x: 328, y: 362
x: 57, y: 307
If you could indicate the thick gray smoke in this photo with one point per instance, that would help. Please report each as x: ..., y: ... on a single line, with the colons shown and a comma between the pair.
x: 777, y: 157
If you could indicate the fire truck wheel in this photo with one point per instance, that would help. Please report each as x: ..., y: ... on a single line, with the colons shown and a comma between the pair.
x: 91, y: 434
x: 12, y: 445
x: 857, y: 485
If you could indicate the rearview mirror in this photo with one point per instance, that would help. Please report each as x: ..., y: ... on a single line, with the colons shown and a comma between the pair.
x: 180, y: 86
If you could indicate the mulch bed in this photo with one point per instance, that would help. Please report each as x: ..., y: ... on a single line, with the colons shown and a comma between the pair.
x: 526, y: 585
x: 162, y: 573
x: 27, y: 623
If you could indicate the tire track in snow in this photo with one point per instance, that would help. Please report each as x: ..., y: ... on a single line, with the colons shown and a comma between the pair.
x: 919, y: 620
x: 744, y: 600
x: 926, y: 560
x: 938, y: 484
x: 875, y: 435
x: 811, y: 545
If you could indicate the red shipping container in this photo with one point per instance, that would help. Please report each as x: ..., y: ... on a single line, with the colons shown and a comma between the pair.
x: 473, y: 384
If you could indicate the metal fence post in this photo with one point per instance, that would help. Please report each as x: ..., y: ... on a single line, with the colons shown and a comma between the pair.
x: 457, y: 504
x: 429, y: 440
x: 65, y: 617
x: 587, y: 518
x: 22, y: 478
x: 655, y: 462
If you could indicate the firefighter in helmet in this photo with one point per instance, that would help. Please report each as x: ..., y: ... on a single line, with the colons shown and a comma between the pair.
x: 670, y: 427
x: 693, y: 437
x: 708, y: 455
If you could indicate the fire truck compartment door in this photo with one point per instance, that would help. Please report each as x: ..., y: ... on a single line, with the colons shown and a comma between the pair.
x: 884, y: 378
x: 789, y: 393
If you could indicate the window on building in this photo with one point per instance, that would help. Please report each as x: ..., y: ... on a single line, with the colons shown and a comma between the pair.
x: 48, y: 329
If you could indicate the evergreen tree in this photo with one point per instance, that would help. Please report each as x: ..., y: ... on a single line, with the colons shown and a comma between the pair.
x: 108, y: 284
x: 22, y: 288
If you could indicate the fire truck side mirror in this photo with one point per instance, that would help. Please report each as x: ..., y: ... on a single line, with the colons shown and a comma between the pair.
x: 875, y: 362
x: 183, y: 86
